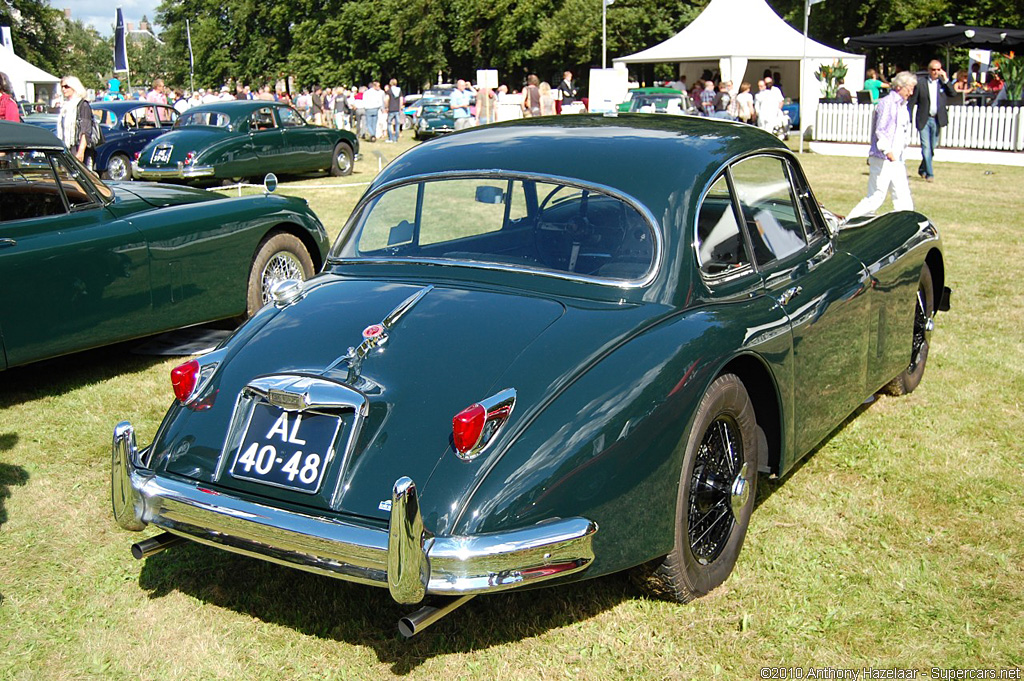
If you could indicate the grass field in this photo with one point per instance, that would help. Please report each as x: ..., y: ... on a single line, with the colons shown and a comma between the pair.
x: 898, y: 543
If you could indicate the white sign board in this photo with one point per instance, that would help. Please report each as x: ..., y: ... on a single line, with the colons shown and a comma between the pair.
x: 487, y: 78
x: 607, y: 88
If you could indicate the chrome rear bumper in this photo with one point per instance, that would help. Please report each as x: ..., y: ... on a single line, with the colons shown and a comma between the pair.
x: 180, y: 172
x: 405, y: 558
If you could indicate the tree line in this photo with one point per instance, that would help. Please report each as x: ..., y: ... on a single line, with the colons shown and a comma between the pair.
x: 349, y: 42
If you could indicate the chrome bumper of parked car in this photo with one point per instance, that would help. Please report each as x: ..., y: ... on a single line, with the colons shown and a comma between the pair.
x: 180, y: 172
x: 405, y: 558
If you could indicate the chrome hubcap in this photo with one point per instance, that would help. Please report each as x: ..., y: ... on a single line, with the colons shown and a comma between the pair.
x: 281, y: 267
x: 740, y: 491
x: 117, y: 168
x: 342, y: 161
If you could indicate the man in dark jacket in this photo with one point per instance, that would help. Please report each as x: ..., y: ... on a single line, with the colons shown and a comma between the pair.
x: 930, y: 97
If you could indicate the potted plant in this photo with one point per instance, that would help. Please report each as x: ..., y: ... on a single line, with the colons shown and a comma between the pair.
x: 1011, y: 70
x: 828, y: 75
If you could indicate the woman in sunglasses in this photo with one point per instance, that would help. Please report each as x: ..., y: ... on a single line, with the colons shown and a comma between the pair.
x: 75, y: 122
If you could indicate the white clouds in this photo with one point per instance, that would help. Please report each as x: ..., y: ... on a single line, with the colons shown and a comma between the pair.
x: 100, y: 13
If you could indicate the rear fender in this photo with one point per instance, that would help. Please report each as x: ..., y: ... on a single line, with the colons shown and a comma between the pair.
x: 610, y: 447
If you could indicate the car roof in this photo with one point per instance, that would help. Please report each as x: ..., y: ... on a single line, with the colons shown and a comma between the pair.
x: 662, y: 161
x: 25, y: 135
x: 655, y: 90
x: 120, y: 106
x: 237, y: 109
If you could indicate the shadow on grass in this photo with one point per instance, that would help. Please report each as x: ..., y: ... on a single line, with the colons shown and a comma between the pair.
x: 767, y: 486
x: 54, y: 377
x: 366, y: 616
x: 10, y: 476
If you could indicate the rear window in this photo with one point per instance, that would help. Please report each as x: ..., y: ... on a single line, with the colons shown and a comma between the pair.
x: 544, y: 225
x: 214, y: 119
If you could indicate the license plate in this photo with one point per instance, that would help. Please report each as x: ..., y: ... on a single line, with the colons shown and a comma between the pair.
x: 162, y: 155
x: 286, y: 448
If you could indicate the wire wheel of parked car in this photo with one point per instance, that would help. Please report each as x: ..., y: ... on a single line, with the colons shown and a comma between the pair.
x: 118, y: 168
x: 924, y: 313
x: 716, y: 496
x: 280, y: 257
x: 342, y: 160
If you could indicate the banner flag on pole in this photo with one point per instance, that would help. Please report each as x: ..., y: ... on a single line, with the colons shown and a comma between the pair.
x: 5, y: 31
x: 191, y: 59
x: 120, y: 45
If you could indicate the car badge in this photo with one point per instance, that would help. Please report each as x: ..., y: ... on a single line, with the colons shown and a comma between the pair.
x: 376, y: 335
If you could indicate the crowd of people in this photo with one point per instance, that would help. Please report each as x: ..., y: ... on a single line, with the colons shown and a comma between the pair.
x: 717, y: 98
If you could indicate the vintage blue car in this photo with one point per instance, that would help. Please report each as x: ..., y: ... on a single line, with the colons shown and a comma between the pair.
x: 85, y: 264
x: 127, y: 127
x: 525, y: 364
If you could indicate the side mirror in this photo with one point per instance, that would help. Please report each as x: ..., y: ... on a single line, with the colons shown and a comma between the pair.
x: 487, y: 194
x: 270, y: 183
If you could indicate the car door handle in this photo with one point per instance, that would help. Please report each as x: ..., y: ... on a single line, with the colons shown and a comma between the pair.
x: 789, y: 294
x: 4, y: 242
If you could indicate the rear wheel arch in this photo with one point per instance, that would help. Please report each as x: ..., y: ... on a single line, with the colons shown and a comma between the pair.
x: 938, y: 270
x: 299, y: 233
x: 764, y: 396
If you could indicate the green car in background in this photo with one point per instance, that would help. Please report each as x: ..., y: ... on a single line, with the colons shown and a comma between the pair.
x: 541, y: 351
x: 86, y: 263
x: 245, y: 139
x: 639, y: 92
x: 435, y: 118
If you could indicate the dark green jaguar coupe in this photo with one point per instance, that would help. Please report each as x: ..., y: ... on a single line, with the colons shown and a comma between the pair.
x: 84, y: 263
x: 245, y: 139
x: 539, y: 352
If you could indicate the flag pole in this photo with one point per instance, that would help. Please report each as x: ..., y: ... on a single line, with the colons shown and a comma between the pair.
x: 191, y: 59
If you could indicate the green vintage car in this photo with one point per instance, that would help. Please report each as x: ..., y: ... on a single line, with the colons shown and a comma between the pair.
x: 84, y: 263
x: 524, y: 365
x: 435, y: 118
x: 245, y: 139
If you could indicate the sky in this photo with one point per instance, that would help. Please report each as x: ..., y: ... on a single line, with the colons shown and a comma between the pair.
x: 100, y: 13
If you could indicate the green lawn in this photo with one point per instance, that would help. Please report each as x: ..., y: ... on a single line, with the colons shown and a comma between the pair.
x: 898, y: 543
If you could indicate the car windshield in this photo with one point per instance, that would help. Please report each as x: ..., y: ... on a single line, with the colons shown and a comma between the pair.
x: 539, y: 224
x: 214, y: 119
x: 660, y: 103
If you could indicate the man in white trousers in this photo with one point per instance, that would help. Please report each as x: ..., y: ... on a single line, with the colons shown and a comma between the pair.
x: 890, y: 135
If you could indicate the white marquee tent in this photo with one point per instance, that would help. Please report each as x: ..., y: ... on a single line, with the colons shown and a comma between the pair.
x: 741, y: 39
x: 25, y: 77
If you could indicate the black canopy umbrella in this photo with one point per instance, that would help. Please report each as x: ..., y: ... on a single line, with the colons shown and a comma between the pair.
x: 980, y: 37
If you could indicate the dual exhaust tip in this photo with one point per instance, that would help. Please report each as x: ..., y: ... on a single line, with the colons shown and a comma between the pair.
x: 408, y: 626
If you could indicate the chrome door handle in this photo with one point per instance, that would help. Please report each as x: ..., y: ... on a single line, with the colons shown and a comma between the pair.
x: 4, y: 242
x: 789, y: 294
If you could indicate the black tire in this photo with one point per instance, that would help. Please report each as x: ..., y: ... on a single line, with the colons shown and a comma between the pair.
x: 924, y: 311
x: 716, y: 496
x: 280, y: 256
x: 119, y: 168
x: 341, y: 160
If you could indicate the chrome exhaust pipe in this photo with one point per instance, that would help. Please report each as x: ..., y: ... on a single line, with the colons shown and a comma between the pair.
x: 154, y: 545
x: 413, y: 624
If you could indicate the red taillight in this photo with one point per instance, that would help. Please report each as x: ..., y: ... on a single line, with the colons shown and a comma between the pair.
x: 189, y: 157
x: 183, y: 379
x: 136, y: 156
x: 467, y: 427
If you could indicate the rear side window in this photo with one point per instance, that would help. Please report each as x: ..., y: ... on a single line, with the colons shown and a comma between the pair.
x: 720, y: 246
x: 540, y: 224
x: 769, y: 211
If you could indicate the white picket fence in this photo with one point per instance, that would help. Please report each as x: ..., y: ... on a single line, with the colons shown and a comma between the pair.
x: 969, y: 127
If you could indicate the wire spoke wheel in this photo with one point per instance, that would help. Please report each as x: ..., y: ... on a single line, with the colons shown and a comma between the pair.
x: 717, y: 464
x: 281, y: 266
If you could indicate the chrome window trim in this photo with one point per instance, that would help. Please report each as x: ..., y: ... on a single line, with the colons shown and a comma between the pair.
x: 498, y: 174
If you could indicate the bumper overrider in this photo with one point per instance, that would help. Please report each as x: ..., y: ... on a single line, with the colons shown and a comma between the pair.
x: 405, y: 558
x: 180, y: 171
